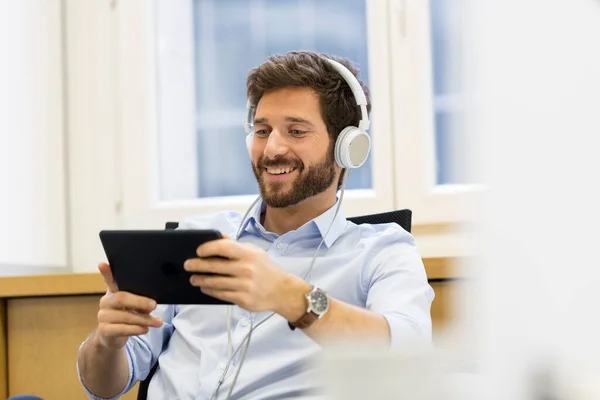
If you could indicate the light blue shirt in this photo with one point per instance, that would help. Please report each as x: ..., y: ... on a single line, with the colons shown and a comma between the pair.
x: 371, y: 266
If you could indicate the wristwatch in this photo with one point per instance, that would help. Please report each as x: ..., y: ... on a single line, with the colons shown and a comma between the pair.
x: 317, y: 305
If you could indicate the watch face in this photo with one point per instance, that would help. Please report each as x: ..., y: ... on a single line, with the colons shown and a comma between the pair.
x: 319, y: 302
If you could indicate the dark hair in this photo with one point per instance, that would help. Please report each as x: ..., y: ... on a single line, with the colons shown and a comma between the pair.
x: 311, y: 70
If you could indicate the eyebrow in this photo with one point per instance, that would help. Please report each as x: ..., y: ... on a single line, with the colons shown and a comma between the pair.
x: 297, y: 120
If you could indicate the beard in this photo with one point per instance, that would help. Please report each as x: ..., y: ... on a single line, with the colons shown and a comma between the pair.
x: 309, y: 182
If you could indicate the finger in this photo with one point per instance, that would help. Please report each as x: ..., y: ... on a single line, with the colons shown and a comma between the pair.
x: 116, y: 330
x: 104, y: 269
x: 129, y: 301
x: 216, y: 282
x: 214, y: 265
x: 222, y: 248
x: 128, y: 318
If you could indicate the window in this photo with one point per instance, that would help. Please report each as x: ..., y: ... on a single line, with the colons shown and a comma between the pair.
x: 180, y: 71
x: 229, y: 38
x: 451, y: 137
x: 163, y: 119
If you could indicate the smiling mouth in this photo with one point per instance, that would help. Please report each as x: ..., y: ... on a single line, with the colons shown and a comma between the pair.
x: 280, y: 171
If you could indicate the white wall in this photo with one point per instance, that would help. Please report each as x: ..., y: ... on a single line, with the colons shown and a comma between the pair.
x: 93, y: 149
x: 32, y: 164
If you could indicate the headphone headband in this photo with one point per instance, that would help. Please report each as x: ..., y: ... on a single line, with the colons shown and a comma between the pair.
x: 357, y: 91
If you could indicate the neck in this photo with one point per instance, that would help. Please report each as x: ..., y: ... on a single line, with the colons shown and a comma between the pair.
x: 283, y: 220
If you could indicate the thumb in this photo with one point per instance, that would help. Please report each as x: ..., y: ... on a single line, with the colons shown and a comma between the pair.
x: 104, y: 269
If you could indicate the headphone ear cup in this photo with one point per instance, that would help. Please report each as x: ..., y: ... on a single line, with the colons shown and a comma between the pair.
x: 352, y: 147
x: 249, y: 140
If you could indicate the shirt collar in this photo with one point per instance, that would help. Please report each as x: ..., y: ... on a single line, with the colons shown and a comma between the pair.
x: 252, y: 220
x: 327, y: 219
x: 322, y: 222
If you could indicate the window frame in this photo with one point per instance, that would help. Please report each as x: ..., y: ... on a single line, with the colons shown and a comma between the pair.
x: 413, y: 125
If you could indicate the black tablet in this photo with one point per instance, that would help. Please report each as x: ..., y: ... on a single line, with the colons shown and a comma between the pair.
x: 150, y: 263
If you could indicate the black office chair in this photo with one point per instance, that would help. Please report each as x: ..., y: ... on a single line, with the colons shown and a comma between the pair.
x: 400, y: 217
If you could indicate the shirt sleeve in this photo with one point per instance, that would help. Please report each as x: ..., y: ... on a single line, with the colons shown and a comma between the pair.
x: 142, y: 351
x: 396, y: 287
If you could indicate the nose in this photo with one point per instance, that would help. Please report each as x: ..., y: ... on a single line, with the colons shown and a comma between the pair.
x: 276, y: 145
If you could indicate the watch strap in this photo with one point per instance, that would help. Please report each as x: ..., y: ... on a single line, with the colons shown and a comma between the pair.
x: 307, y: 320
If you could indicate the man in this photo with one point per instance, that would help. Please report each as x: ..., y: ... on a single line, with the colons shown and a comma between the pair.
x: 371, y: 281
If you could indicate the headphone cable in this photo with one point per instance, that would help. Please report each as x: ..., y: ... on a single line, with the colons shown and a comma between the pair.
x: 252, y: 327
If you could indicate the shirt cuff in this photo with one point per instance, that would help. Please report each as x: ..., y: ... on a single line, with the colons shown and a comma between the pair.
x: 127, y: 387
x: 406, y: 333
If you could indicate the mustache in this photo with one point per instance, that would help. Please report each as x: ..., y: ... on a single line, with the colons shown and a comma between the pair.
x: 277, y: 162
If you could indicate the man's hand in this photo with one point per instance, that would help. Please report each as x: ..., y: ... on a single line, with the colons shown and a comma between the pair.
x: 247, y: 277
x: 122, y: 314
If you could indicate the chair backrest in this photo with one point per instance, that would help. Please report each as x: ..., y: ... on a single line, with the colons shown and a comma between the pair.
x: 400, y: 217
x: 171, y: 225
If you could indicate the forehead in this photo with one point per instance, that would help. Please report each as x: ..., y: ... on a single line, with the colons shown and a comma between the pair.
x: 289, y: 101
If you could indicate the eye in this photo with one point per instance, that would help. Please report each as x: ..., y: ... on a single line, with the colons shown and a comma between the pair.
x: 261, y: 132
x: 297, y: 132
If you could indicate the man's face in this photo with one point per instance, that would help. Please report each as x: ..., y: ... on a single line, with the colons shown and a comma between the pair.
x: 292, y: 157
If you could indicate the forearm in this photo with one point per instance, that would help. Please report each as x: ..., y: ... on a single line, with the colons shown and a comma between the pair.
x: 104, y: 372
x: 342, y: 320
x: 346, y: 321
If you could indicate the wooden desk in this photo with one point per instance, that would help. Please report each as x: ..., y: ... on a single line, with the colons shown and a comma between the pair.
x: 44, y: 319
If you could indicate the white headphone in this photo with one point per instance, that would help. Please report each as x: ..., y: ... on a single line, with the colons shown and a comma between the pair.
x: 353, y: 143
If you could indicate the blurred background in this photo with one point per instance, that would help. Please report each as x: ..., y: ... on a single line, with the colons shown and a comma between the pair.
x: 125, y: 114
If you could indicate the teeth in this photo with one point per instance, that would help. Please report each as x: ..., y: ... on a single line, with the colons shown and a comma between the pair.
x: 277, y: 171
